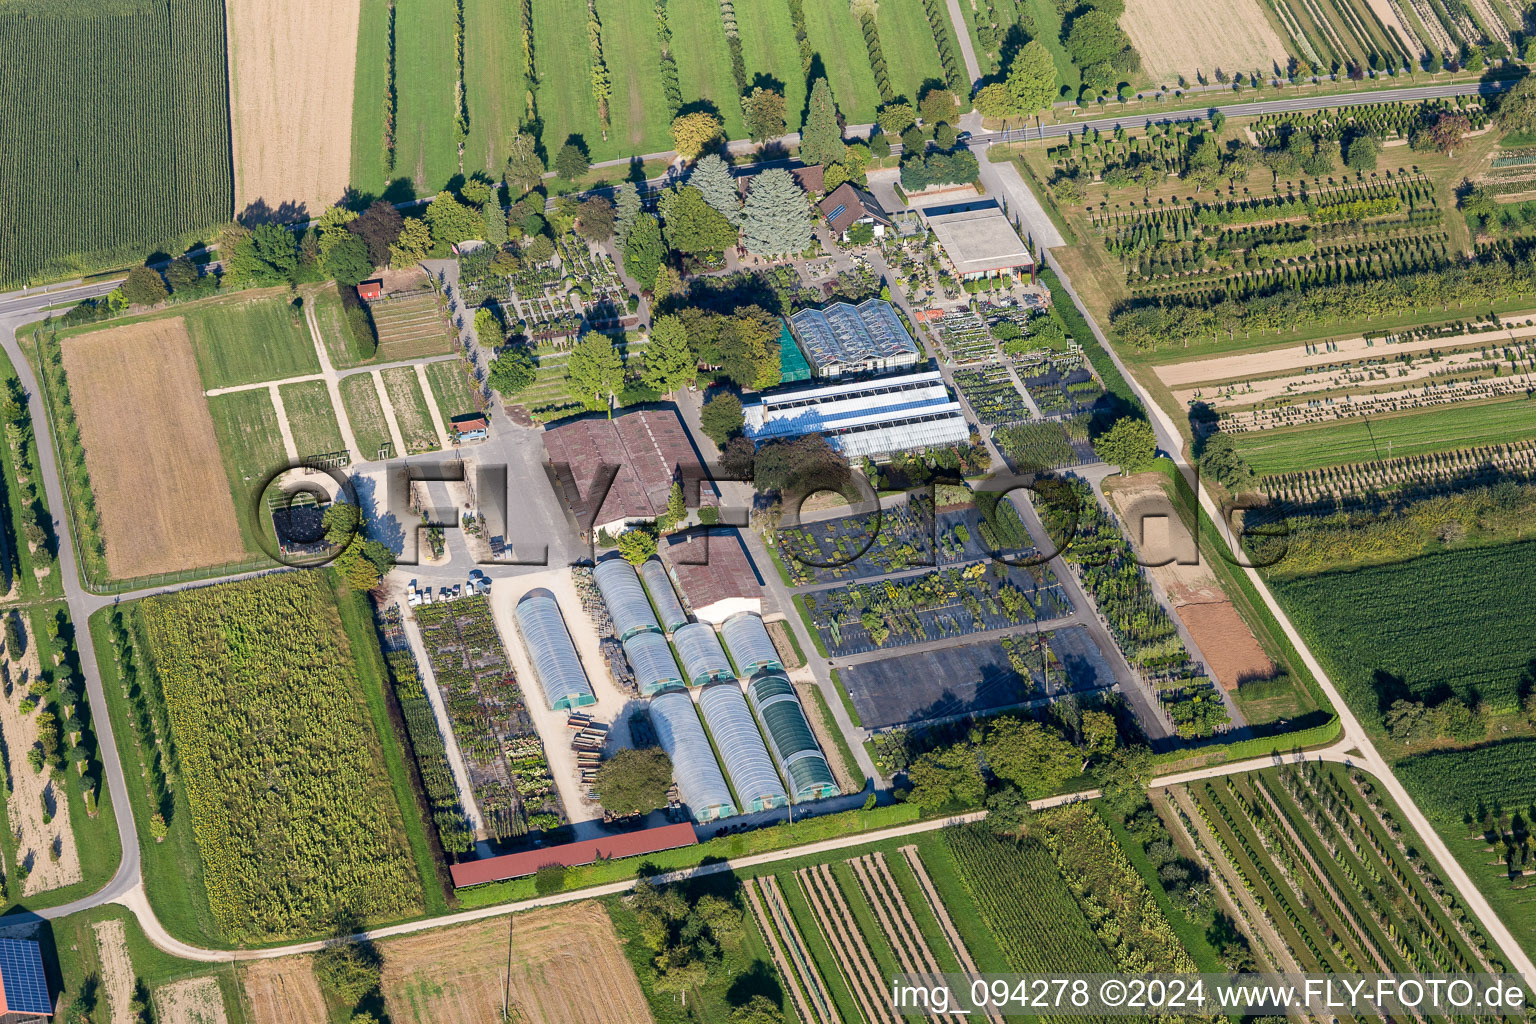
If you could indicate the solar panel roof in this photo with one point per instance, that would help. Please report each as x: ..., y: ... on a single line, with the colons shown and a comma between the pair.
x: 21, y: 970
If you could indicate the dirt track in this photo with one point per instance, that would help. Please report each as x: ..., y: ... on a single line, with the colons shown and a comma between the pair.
x: 567, y: 968
x: 151, y: 450
x: 1182, y: 37
x: 290, y: 76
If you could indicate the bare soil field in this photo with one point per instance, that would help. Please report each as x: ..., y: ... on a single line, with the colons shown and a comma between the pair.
x: 290, y: 79
x: 116, y: 969
x: 1185, y: 37
x: 194, y: 1001
x: 566, y: 968
x: 1228, y: 646
x: 283, y: 991
x: 1292, y: 358
x: 150, y: 449
x: 46, y: 848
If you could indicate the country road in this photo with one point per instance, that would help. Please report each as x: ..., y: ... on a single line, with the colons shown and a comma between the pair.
x: 126, y: 886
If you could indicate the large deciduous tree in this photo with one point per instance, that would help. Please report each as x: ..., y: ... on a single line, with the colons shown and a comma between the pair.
x: 348, y: 261
x: 634, y: 781
x: 721, y: 418
x: 693, y: 226
x: 144, y: 287
x: 525, y: 170
x: 1129, y: 444
x: 693, y: 133
x: 643, y: 250
x: 763, y: 111
x: 1031, y: 79
x: 451, y: 221
x: 379, y: 226
x: 776, y: 220
x: 594, y: 219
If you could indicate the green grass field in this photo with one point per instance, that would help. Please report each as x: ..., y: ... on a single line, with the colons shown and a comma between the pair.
x: 911, y: 52
x: 1412, y: 433
x: 451, y: 388
x: 836, y: 36
x: 311, y: 418
x: 565, y: 79
x: 411, y: 411
x: 249, y: 339
x: 81, y: 192
x: 361, y: 401
x: 426, y: 148
x: 495, y: 82
x: 27, y: 562
x: 768, y: 47
x: 369, y: 82
x: 633, y: 54
x: 245, y: 424
x: 704, y: 61
x: 1048, y: 31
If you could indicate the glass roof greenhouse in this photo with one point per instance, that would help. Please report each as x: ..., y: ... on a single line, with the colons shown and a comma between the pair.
x: 694, y: 768
x: 747, y: 640
x: 843, y: 337
x: 663, y: 597
x: 751, y: 770
x: 704, y: 659
x: 627, y: 604
x: 650, y: 656
x: 875, y: 417
x: 555, y: 663
x: 790, y: 738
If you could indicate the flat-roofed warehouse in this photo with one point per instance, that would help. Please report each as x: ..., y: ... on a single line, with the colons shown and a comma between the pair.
x: 844, y: 338
x: 910, y: 412
x: 650, y: 449
x: 979, y: 240
x: 713, y: 572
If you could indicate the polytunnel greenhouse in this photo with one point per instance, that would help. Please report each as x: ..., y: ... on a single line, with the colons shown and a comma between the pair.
x: 627, y: 604
x: 751, y: 770
x: 790, y: 738
x: 694, y: 769
x: 651, y: 657
x: 750, y: 645
x: 704, y: 659
x: 663, y: 596
x: 555, y: 663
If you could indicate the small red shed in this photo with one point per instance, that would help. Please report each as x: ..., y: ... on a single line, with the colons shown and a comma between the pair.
x: 371, y: 289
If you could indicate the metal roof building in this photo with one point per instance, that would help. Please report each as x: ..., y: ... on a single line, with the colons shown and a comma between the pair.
x: 694, y: 768
x: 979, y: 239
x: 713, y: 572
x: 704, y: 659
x: 555, y: 663
x: 663, y: 597
x: 747, y: 763
x: 790, y: 738
x: 875, y: 417
x: 750, y: 646
x: 627, y: 604
x: 650, y: 656
x: 844, y: 338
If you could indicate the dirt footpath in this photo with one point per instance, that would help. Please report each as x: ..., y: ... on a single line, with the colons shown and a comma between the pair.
x: 45, y: 847
x: 567, y: 967
x: 290, y: 77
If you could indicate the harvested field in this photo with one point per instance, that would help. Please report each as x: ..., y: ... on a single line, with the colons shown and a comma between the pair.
x: 116, y: 969
x: 291, y: 113
x: 283, y: 991
x: 567, y: 968
x: 150, y: 449
x: 1231, y: 652
x: 37, y: 841
x: 1185, y: 37
x: 194, y: 1001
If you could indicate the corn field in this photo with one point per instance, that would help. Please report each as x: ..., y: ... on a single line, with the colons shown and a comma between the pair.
x: 115, y: 139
